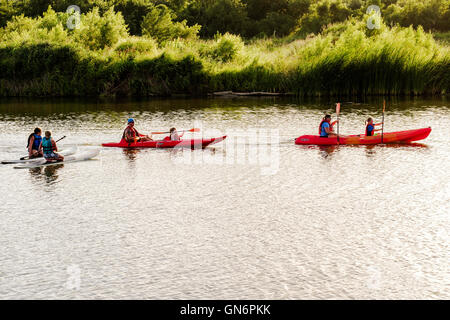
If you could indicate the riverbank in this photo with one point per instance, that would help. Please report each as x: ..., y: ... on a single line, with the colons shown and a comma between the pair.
x: 346, y: 59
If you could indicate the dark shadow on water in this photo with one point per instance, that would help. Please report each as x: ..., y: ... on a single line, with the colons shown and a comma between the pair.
x: 92, y: 106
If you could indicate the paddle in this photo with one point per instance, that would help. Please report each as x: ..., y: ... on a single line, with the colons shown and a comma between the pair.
x: 28, y: 157
x: 338, y: 109
x: 190, y: 130
x: 382, y: 122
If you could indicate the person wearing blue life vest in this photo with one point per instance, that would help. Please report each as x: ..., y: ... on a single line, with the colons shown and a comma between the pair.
x: 326, y: 127
x: 370, y: 127
x: 49, y: 148
x: 34, y: 143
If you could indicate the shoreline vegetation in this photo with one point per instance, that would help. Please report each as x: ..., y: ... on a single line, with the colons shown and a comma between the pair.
x: 110, y: 54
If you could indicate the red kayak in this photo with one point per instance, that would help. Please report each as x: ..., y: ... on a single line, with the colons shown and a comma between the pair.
x: 388, y: 137
x: 188, y: 143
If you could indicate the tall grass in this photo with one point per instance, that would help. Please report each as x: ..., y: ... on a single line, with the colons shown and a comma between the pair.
x: 345, y: 59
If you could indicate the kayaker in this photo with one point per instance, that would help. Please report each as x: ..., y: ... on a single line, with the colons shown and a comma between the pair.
x: 49, y: 148
x: 174, y: 136
x: 326, y: 127
x: 131, y: 135
x: 34, y: 143
x: 370, y: 127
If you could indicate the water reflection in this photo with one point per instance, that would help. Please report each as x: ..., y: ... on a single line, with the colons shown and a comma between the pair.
x: 327, y: 151
x: 370, y: 150
x: 131, y: 154
x: 47, y: 174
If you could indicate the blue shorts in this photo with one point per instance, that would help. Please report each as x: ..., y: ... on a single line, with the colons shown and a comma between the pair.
x: 51, y: 156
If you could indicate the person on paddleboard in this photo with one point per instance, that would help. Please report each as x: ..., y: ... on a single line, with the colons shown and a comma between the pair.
x: 131, y: 135
x: 49, y: 148
x: 34, y: 144
x: 370, y: 127
x: 326, y: 127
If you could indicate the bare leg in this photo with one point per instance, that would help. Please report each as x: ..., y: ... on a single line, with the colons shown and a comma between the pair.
x: 35, y: 154
x: 146, y: 138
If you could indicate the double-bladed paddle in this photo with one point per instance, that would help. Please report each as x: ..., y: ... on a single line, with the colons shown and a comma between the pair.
x: 190, y: 130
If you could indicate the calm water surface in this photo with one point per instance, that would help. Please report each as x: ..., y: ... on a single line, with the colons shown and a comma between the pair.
x: 256, y: 217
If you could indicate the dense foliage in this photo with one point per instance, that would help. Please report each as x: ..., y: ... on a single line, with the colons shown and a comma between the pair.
x: 142, y: 47
x: 250, y: 18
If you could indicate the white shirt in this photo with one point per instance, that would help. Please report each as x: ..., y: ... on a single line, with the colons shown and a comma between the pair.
x: 174, y: 136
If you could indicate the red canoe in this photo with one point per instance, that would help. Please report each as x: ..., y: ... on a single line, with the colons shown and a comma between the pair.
x: 388, y: 137
x: 188, y: 143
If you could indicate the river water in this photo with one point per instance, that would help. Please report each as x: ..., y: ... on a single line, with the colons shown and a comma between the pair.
x: 253, y: 217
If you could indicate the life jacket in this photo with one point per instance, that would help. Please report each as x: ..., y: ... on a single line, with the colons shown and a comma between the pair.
x: 367, y: 130
x: 321, y: 123
x: 47, y: 145
x: 134, y: 133
x: 36, y: 142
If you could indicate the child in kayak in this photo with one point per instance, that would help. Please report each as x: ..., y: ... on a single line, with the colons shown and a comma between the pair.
x: 131, y: 135
x: 370, y: 127
x: 49, y: 147
x: 174, y: 136
x: 326, y: 127
x: 34, y: 143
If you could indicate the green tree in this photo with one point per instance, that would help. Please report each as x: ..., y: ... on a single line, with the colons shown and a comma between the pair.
x: 159, y: 24
x: 323, y: 13
x: 99, y: 31
x: 217, y: 16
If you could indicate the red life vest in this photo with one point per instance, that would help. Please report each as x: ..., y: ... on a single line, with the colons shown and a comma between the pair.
x: 134, y: 133
x: 320, y: 125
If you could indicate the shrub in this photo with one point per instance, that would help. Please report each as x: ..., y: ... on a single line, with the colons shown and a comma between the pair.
x: 136, y: 45
x: 225, y: 48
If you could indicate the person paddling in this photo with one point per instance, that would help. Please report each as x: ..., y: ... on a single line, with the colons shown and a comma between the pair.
x: 174, y: 136
x: 326, y: 127
x: 34, y: 144
x: 370, y: 127
x: 131, y: 135
x: 49, y: 147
